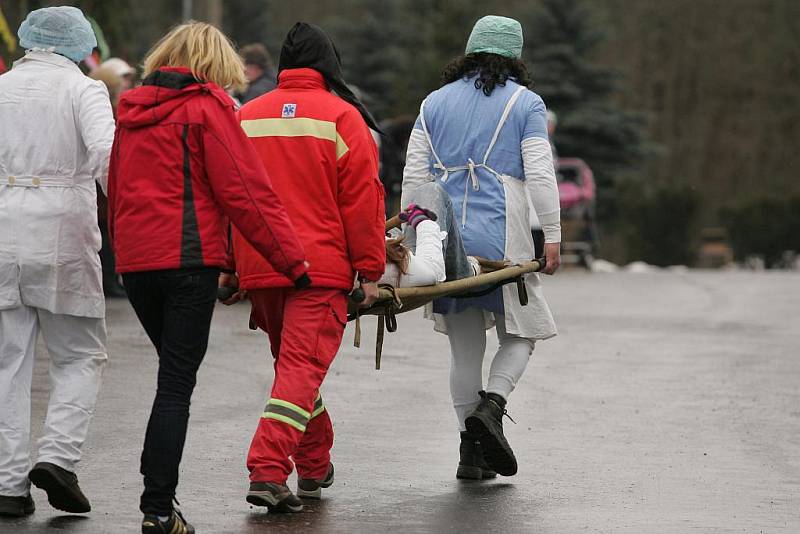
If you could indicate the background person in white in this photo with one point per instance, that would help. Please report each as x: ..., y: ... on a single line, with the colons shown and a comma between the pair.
x: 56, y: 132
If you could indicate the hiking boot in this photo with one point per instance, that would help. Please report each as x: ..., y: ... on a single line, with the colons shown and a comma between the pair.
x: 61, y: 486
x: 176, y: 524
x: 278, y: 498
x: 16, y: 506
x: 312, y: 489
x: 472, y: 466
x: 486, y: 424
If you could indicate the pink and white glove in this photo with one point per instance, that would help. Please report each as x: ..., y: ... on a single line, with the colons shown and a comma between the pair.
x: 414, y: 215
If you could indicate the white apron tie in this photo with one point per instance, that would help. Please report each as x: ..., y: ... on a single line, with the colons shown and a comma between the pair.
x: 471, y: 166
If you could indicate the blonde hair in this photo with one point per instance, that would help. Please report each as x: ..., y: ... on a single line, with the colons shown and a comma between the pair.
x: 397, y: 253
x: 203, y: 49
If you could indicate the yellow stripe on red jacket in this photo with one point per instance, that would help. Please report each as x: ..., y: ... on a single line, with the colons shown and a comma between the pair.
x: 323, y: 164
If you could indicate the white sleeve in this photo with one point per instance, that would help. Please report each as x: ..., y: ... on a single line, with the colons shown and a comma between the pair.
x: 426, y: 265
x: 540, y: 182
x: 96, y: 125
x: 418, y: 164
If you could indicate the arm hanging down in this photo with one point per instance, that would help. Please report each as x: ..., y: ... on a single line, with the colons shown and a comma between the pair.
x: 360, y: 197
x: 418, y: 163
x: 244, y: 191
x: 540, y: 182
x: 96, y: 123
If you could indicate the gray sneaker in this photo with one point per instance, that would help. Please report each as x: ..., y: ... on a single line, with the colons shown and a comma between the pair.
x: 278, y: 498
x: 312, y: 489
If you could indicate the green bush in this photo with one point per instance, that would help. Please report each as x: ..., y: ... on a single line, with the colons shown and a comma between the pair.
x: 657, y: 226
x: 765, y: 226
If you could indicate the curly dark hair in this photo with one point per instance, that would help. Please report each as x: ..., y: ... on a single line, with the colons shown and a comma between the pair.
x: 492, y: 70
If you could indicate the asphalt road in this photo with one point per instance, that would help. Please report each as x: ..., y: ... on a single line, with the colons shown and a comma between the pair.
x: 670, y: 402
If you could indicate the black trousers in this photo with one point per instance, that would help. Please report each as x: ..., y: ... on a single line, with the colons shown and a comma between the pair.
x: 175, y: 309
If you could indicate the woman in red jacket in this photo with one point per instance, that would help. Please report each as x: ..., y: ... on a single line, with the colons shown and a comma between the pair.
x: 323, y: 162
x: 180, y: 167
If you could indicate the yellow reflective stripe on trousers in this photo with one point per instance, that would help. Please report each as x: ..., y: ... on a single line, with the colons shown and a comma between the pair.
x: 287, y: 404
x: 286, y: 412
x: 284, y: 419
x: 319, y: 407
x: 296, y: 127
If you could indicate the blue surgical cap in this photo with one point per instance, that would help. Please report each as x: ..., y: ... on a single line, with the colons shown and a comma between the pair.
x: 63, y: 30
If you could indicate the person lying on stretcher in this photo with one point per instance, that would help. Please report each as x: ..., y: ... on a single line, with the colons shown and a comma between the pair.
x: 429, y: 249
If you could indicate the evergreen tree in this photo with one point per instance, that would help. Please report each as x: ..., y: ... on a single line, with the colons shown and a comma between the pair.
x: 375, y: 51
x: 251, y: 22
x: 562, y: 37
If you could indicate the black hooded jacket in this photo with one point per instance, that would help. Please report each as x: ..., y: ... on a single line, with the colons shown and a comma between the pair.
x: 308, y: 46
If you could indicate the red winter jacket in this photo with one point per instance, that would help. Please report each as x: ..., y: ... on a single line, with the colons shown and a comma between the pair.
x: 180, y: 164
x: 323, y: 164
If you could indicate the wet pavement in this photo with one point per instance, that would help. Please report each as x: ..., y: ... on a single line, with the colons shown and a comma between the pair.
x: 670, y: 402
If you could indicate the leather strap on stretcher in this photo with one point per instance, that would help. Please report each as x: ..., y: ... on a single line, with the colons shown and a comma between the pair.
x: 387, y: 320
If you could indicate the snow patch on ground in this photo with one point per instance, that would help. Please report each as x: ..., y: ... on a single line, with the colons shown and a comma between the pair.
x: 603, y: 266
x: 636, y: 267
x: 640, y: 267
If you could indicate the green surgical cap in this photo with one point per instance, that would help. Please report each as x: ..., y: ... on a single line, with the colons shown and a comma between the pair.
x: 496, y: 35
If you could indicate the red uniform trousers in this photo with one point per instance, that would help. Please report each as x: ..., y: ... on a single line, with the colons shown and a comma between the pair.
x: 305, y: 329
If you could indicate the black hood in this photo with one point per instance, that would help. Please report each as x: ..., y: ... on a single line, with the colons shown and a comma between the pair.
x: 308, y: 46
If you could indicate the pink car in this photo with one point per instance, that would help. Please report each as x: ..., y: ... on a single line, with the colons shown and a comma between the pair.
x: 577, y: 193
x: 575, y: 182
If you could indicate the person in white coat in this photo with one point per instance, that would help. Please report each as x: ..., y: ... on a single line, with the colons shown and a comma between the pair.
x: 55, y: 140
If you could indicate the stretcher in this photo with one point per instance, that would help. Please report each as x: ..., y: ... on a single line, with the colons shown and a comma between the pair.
x: 395, y: 300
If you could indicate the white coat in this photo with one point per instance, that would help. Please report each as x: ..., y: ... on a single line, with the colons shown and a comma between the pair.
x: 56, y: 132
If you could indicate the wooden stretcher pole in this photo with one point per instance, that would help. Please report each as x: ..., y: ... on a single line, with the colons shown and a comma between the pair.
x: 409, y: 298
x: 462, y: 285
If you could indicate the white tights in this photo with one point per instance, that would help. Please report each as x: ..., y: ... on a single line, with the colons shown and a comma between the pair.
x: 467, y: 335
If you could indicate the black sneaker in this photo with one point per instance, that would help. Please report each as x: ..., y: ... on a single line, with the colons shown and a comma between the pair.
x: 16, y: 506
x: 278, y: 498
x: 312, y: 489
x: 61, y: 486
x: 472, y: 466
x: 486, y: 424
x: 176, y: 524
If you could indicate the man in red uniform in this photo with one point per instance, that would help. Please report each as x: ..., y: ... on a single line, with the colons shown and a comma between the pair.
x: 323, y: 162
